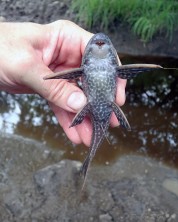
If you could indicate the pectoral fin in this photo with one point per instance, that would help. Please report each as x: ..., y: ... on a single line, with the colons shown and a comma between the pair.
x: 80, y: 115
x: 130, y: 71
x: 66, y: 74
x: 120, y: 116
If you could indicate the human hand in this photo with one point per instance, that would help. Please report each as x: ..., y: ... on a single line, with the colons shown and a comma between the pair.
x: 30, y: 51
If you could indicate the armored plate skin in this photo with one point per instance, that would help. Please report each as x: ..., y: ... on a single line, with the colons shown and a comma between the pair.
x: 99, y: 72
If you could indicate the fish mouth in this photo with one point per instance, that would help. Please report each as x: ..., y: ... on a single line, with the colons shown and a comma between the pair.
x: 100, y: 43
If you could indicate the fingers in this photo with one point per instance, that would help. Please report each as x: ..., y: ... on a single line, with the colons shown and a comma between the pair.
x: 114, y: 121
x: 120, y: 99
x: 121, y: 84
x: 120, y: 93
x: 85, y: 131
x: 73, y: 32
x: 64, y: 98
x: 78, y: 134
x: 65, y: 119
x: 59, y: 92
x: 62, y: 95
x: 70, y: 42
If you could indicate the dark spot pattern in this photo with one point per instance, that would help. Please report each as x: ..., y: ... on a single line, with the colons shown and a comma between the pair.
x: 81, y: 115
x: 131, y: 71
x: 99, y: 72
x: 120, y: 116
x: 99, y: 81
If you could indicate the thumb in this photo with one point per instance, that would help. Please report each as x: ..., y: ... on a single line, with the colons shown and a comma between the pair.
x: 59, y: 92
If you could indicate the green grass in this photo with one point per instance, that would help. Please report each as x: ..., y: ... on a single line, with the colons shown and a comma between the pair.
x: 145, y: 17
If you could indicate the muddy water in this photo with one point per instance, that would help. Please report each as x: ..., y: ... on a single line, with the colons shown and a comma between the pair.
x: 151, y: 108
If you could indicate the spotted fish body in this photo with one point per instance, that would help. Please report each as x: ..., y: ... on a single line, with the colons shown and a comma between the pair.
x: 99, y: 82
x: 99, y: 72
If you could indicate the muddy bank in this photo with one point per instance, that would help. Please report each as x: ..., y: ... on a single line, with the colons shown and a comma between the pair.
x: 36, y: 186
x: 46, y: 11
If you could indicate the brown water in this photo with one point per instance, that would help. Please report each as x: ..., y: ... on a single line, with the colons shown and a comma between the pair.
x: 151, y: 109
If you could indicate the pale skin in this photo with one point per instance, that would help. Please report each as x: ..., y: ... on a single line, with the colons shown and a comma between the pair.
x: 30, y: 51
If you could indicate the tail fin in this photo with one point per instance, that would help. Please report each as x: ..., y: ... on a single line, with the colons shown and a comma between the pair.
x: 99, y: 133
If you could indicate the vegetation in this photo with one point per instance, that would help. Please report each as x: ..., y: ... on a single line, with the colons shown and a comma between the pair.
x: 146, y: 17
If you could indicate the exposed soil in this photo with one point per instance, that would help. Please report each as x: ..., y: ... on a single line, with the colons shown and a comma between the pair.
x: 125, y: 42
x: 35, y: 187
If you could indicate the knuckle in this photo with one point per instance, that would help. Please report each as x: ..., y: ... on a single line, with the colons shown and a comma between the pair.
x: 56, y: 91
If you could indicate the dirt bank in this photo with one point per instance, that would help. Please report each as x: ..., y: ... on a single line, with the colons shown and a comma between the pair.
x: 46, y: 11
x: 36, y: 186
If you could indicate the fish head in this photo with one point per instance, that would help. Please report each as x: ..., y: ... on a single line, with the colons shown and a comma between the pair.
x: 99, y: 46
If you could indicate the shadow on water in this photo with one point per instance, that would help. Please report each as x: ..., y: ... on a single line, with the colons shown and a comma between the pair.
x: 151, y: 108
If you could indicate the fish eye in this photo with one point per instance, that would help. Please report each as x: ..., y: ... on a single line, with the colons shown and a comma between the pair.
x: 100, y: 43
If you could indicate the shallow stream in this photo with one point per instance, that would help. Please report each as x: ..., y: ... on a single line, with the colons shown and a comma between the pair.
x: 151, y: 108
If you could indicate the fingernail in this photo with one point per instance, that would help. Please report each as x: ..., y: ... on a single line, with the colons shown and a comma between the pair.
x: 76, y: 100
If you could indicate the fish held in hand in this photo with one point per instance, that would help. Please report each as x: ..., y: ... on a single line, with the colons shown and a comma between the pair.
x: 98, y: 73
